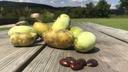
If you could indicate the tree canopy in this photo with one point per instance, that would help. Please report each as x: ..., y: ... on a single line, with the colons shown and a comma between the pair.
x: 103, y: 8
x: 124, y: 5
x: 17, y: 10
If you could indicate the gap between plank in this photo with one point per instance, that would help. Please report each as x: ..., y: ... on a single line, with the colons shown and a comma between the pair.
x: 25, y: 64
x: 113, y: 36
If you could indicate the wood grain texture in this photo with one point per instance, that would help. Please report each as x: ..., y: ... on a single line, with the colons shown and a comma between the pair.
x: 110, y: 52
x: 12, y: 58
x: 117, y: 33
x: 113, y: 50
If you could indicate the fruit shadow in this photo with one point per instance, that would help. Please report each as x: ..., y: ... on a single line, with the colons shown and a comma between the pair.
x: 70, y: 48
x: 31, y: 46
x: 38, y: 40
x: 94, y: 50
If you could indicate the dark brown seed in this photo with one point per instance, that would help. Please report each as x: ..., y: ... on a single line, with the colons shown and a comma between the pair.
x: 70, y: 60
x: 64, y: 62
x: 76, y: 66
x: 92, y: 63
x: 82, y: 61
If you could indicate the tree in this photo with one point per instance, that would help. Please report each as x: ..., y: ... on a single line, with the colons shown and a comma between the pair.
x: 90, y: 10
x: 124, y: 5
x: 76, y: 12
x: 103, y: 8
x: 47, y: 16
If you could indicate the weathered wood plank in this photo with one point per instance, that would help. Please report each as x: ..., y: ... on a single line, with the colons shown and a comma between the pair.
x: 14, y: 58
x: 110, y: 52
x: 114, y: 52
x: 117, y: 33
x: 41, y: 60
x: 3, y: 34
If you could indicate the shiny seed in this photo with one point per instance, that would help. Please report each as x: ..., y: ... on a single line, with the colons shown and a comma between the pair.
x: 64, y: 62
x: 76, y: 66
x: 92, y: 63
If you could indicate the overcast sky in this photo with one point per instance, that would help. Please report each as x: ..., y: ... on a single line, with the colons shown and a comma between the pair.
x: 59, y: 3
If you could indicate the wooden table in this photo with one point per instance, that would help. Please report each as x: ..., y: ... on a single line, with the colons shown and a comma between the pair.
x: 111, y: 51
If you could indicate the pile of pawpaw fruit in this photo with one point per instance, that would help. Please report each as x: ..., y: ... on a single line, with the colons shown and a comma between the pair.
x: 59, y: 35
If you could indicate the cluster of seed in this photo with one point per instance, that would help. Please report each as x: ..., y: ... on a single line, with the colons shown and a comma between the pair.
x: 77, y: 64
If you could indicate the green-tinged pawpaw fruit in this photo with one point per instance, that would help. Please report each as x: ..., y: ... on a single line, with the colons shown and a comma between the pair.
x: 62, y: 22
x: 85, y: 42
x: 22, y: 35
x: 76, y: 31
x: 21, y: 29
x: 23, y: 39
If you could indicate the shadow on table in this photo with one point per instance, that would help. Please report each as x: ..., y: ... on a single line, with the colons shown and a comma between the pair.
x: 70, y: 48
x: 94, y: 50
x: 32, y: 46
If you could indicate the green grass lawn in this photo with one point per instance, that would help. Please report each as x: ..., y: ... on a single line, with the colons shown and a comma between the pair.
x: 4, y: 28
x: 121, y: 23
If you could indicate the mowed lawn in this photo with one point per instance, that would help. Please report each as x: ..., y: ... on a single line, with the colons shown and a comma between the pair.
x: 4, y: 28
x: 121, y: 23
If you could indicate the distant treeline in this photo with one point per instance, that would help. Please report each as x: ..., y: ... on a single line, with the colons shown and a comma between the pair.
x: 16, y: 10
